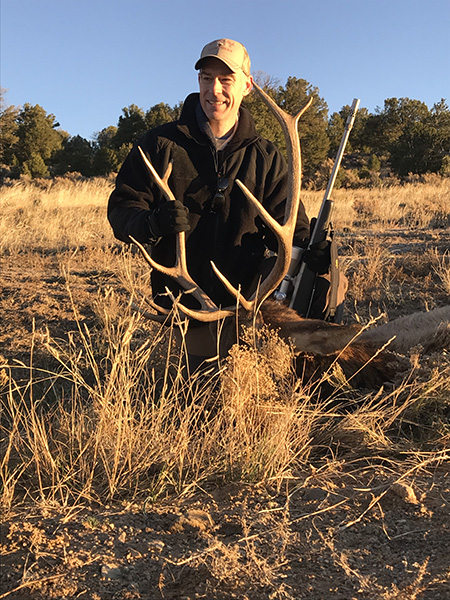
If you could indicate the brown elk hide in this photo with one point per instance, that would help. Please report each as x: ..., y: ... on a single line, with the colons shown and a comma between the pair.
x: 409, y: 331
x: 308, y: 335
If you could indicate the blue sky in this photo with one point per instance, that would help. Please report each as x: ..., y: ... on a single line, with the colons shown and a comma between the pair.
x: 84, y: 60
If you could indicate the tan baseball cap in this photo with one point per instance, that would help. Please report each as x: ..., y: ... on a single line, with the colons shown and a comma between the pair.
x: 232, y: 53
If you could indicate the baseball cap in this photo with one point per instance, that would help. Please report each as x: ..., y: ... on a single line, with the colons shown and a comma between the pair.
x: 232, y: 53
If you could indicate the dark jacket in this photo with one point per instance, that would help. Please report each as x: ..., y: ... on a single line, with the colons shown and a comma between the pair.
x: 229, y: 232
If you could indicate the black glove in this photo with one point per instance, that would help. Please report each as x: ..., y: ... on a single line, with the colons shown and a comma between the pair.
x: 171, y: 217
x: 318, y: 257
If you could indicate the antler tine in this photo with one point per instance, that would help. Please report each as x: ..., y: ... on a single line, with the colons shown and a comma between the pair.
x: 208, y: 310
x: 285, y: 232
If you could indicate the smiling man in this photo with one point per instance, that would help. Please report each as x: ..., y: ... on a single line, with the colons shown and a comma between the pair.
x: 212, y: 144
x: 224, y: 81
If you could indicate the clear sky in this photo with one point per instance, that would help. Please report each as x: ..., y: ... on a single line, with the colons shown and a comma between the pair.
x: 85, y: 60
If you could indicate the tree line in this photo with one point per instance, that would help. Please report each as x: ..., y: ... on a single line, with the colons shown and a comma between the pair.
x: 402, y: 137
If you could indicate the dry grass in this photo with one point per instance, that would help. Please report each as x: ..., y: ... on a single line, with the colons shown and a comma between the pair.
x: 113, y: 417
x: 101, y: 412
x: 71, y: 212
x: 415, y: 205
x: 54, y: 215
x: 441, y: 267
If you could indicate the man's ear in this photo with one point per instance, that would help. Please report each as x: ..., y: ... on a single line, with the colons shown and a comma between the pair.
x: 248, y: 85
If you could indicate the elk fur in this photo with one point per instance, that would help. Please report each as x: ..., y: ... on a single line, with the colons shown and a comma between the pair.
x: 365, y: 357
x: 409, y: 331
x: 307, y: 335
x: 319, y: 337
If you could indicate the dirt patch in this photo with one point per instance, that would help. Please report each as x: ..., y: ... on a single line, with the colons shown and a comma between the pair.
x: 372, y: 537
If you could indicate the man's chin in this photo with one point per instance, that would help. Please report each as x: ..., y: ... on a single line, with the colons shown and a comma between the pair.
x: 217, y: 116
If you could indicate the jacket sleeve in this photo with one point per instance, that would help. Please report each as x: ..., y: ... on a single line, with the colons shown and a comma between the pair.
x: 134, y: 195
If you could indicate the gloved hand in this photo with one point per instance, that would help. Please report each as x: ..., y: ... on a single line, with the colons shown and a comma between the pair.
x: 318, y: 257
x: 169, y: 218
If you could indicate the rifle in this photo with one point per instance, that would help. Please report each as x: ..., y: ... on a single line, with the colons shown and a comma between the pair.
x: 305, y: 281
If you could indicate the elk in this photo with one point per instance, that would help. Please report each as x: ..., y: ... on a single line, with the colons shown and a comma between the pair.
x: 320, y: 338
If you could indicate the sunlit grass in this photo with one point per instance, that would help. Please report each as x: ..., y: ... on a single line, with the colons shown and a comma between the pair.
x: 110, y: 415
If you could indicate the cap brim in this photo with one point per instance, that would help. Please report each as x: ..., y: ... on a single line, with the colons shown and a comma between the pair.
x: 232, y: 66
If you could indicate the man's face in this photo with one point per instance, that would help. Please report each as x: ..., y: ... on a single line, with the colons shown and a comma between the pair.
x: 221, y: 94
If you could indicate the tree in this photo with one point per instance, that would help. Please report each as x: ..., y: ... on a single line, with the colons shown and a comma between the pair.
x: 8, y: 128
x: 38, y: 140
x: 112, y: 144
x: 356, y: 141
x: 105, y: 159
x: 440, y: 120
x: 131, y: 125
x: 75, y: 156
x: 266, y: 124
x: 423, y: 145
x: 34, y: 166
x: 105, y: 137
x: 385, y: 127
x: 313, y: 124
x: 335, y: 131
x: 161, y: 113
x: 413, y: 138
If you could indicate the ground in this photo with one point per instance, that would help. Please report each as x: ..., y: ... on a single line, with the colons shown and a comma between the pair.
x: 338, y: 540
x: 357, y: 531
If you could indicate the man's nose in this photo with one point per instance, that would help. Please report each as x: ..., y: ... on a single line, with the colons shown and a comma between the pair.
x: 217, y: 86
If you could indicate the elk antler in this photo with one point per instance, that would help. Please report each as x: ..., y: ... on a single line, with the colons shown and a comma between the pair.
x: 179, y: 272
x: 284, y: 233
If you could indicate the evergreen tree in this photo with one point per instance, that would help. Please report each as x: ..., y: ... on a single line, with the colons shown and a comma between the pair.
x: 131, y: 125
x: 266, y: 124
x: 105, y: 137
x: 385, y: 127
x: 38, y: 140
x: 161, y: 113
x: 312, y: 126
x: 411, y: 137
x: 335, y: 131
x: 105, y: 159
x: 8, y: 128
x: 423, y: 144
x: 75, y: 156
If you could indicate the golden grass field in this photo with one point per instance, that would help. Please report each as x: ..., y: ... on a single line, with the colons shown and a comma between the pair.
x: 120, y: 479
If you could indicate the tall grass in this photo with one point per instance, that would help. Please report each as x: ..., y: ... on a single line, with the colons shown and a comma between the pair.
x: 103, y: 426
x: 71, y: 212
x: 53, y: 215
x: 110, y: 414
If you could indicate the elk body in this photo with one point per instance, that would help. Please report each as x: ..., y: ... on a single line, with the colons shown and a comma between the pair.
x: 351, y: 346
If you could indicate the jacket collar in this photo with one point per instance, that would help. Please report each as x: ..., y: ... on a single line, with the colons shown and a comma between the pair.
x: 188, y: 124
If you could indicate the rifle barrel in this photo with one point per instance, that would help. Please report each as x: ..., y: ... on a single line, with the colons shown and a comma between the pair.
x: 337, y: 163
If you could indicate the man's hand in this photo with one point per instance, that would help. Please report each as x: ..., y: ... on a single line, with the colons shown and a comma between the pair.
x: 169, y: 218
x: 318, y: 257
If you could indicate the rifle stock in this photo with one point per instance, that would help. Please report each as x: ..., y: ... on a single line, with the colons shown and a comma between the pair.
x: 305, y: 281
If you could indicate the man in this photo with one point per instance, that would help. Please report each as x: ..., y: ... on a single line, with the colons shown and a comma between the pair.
x: 212, y: 144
